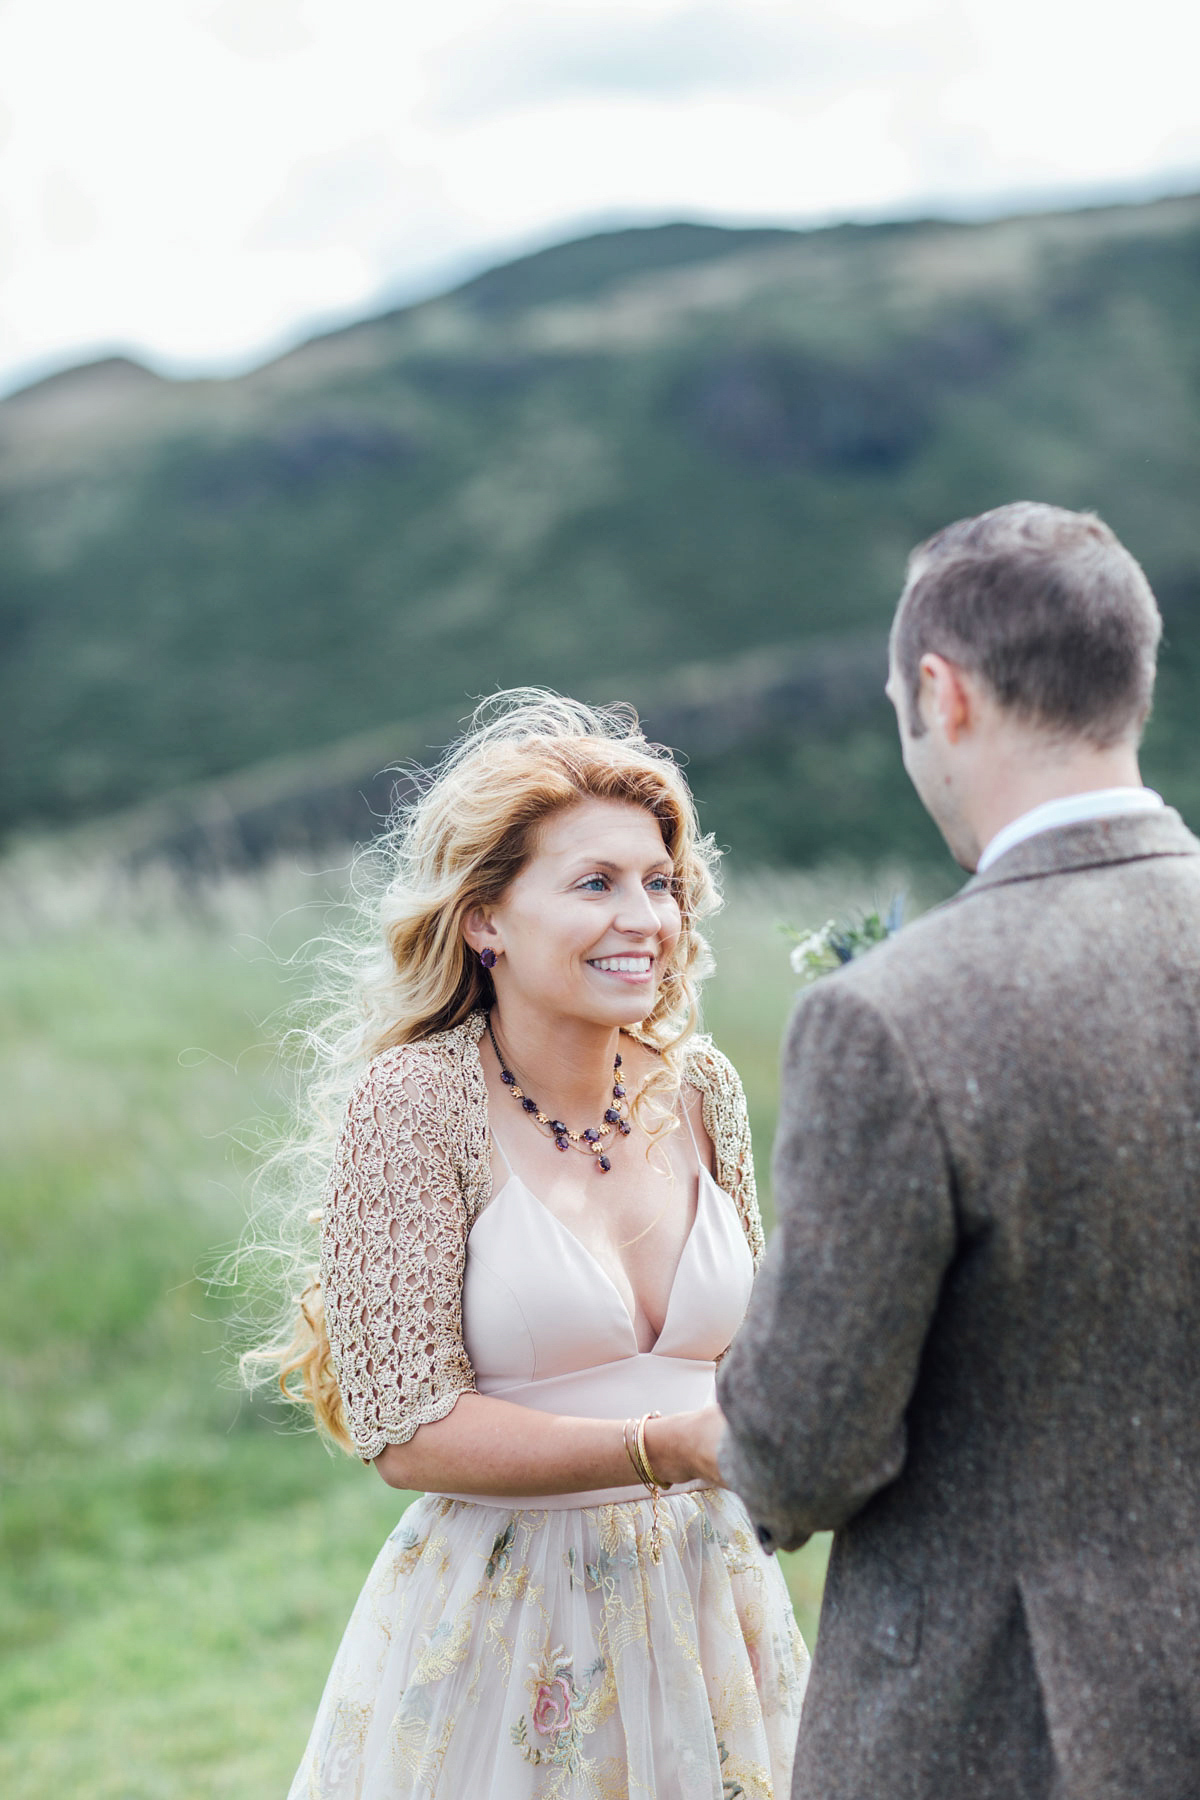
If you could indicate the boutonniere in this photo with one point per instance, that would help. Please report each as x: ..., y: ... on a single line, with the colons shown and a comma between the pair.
x: 816, y: 953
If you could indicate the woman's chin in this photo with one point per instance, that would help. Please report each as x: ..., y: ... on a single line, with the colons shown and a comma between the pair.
x: 610, y: 1003
x: 622, y: 1007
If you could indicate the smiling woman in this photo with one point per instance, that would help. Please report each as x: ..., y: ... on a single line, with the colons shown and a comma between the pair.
x: 575, y: 1606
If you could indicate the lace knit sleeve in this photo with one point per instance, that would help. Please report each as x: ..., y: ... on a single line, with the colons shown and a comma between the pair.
x: 393, y: 1244
x: 727, y: 1122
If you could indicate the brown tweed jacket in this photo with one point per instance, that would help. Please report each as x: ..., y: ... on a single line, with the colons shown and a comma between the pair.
x: 974, y: 1346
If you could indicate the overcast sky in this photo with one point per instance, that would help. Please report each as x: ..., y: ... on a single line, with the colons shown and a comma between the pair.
x: 201, y: 181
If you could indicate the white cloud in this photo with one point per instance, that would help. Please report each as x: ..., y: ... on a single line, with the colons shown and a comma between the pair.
x: 694, y: 50
x: 201, y: 178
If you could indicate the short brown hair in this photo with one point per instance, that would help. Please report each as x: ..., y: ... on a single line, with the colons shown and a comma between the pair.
x: 1047, y: 606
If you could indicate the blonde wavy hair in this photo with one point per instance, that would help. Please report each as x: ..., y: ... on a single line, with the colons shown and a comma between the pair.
x: 404, y: 970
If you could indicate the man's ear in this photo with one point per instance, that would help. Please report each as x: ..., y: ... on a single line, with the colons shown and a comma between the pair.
x: 947, y: 698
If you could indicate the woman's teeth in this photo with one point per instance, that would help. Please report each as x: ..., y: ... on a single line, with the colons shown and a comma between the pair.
x: 623, y: 965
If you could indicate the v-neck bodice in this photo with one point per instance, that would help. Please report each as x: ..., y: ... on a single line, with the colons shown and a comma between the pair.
x: 545, y: 1326
x: 537, y: 1302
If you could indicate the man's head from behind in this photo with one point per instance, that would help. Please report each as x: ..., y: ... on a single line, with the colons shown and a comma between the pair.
x: 1022, y: 665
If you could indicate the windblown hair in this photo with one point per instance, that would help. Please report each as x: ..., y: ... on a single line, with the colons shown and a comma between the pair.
x: 405, y: 971
x: 1048, y: 607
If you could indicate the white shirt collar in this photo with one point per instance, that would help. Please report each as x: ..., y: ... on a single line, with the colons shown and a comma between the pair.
x: 1072, y: 809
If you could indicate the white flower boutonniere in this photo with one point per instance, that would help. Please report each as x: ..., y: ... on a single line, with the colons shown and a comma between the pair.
x: 816, y: 953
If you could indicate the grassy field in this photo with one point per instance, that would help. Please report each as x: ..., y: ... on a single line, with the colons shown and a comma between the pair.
x: 178, y: 1562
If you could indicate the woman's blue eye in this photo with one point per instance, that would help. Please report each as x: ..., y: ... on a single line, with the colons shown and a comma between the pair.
x: 598, y: 884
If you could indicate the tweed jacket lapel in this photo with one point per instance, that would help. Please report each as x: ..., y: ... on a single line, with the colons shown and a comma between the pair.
x: 1128, y: 837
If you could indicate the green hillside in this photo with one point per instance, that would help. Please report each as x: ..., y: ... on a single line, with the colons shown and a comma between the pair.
x: 683, y: 465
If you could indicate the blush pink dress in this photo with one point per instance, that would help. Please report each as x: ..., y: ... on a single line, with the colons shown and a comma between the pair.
x: 532, y: 1649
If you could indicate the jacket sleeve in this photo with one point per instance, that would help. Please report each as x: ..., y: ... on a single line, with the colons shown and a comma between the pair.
x: 393, y: 1249
x: 817, y: 1381
x: 727, y: 1122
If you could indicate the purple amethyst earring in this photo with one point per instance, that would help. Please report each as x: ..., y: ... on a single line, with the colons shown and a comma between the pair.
x: 487, y: 957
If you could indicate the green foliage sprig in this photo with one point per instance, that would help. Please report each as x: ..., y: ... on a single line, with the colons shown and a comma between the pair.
x: 820, y: 952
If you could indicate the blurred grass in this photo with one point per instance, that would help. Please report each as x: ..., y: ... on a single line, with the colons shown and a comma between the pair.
x: 178, y: 1565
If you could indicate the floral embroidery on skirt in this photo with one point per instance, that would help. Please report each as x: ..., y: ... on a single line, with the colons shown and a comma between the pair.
x: 499, y: 1654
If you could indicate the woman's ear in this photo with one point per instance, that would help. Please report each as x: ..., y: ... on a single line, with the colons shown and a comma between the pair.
x: 480, y: 931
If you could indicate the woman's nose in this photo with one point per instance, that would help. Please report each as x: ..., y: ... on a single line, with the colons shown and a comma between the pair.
x: 635, y: 913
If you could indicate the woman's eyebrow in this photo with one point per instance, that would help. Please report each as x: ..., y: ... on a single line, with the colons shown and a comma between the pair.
x: 603, y: 866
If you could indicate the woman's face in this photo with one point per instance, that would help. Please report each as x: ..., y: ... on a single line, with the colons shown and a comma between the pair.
x: 587, y: 928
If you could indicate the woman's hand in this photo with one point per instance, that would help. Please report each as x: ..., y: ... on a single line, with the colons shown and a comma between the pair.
x: 683, y: 1446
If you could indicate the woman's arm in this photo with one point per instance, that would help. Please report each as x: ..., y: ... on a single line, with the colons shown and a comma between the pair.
x: 727, y: 1124
x: 393, y: 1247
x: 490, y: 1446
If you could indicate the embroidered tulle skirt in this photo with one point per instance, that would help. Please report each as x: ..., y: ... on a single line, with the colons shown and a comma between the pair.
x: 506, y: 1654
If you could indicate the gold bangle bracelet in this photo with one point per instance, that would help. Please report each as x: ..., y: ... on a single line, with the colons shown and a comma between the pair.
x: 635, y: 1454
x: 641, y: 1462
x: 631, y: 1447
x: 630, y: 1450
x: 648, y: 1475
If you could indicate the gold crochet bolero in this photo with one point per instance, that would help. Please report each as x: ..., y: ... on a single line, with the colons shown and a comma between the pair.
x: 411, y: 1174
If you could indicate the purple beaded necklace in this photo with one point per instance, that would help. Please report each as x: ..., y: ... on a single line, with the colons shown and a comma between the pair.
x: 590, y: 1140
